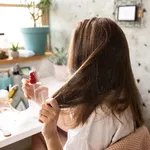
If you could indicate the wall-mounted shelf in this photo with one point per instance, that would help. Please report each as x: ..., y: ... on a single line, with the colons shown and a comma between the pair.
x: 20, y: 60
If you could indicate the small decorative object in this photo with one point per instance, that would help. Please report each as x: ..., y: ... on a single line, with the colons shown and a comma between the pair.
x: 59, y: 60
x: 35, y: 38
x: 3, y: 54
x: 14, y: 50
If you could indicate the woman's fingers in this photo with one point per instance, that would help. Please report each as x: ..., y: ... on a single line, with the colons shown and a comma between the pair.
x: 47, y: 107
x: 53, y: 103
x: 27, y: 88
x: 44, y: 113
x: 24, y: 81
x: 47, y: 112
x: 27, y: 92
x: 42, y: 118
x: 50, y: 110
x: 49, y: 116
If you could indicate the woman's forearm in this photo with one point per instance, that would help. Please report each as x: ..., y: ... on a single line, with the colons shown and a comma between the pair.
x: 54, y: 143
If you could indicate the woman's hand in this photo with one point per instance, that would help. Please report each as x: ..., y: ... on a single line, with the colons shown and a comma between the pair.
x: 41, y: 92
x: 48, y: 115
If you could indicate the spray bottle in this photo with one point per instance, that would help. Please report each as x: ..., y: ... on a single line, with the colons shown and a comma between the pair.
x: 34, y: 82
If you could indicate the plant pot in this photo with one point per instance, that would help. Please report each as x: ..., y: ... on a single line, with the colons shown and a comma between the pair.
x: 14, y: 54
x: 60, y: 72
x: 35, y: 39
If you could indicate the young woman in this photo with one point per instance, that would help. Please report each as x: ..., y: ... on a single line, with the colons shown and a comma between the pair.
x: 101, y: 98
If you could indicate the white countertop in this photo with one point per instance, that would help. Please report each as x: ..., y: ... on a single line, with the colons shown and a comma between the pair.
x: 24, y: 124
x: 20, y: 124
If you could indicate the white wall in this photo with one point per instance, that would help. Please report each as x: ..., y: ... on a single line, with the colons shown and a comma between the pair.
x: 66, y: 13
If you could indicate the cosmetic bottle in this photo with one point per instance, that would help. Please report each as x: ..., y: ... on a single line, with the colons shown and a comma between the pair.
x: 16, y: 75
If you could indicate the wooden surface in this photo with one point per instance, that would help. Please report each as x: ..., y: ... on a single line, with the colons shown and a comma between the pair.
x: 20, y: 60
x: 11, y: 5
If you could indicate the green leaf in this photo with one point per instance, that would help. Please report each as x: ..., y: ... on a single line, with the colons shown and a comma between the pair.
x: 43, y: 5
x: 14, y: 47
x: 59, y: 56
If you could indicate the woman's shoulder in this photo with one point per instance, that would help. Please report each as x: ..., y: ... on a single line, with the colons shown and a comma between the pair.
x: 100, y: 117
x: 113, y: 126
x: 105, y: 127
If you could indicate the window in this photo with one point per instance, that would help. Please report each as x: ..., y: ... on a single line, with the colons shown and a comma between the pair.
x: 13, y: 16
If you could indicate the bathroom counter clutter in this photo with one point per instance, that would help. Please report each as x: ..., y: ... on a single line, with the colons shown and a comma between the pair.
x: 24, y: 124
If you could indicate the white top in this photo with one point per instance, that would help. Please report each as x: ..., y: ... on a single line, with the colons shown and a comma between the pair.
x: 100, y: 131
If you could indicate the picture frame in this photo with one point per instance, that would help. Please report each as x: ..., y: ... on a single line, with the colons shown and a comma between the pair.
x: 127, y: 13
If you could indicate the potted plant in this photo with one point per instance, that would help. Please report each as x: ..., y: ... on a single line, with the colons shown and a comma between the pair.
x: 35, y: 38
x: 59, y: 61
x: 14, y: 50
x: 3, y: 54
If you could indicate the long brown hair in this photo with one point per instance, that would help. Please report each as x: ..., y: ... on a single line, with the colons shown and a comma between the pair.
x: 102, y: 75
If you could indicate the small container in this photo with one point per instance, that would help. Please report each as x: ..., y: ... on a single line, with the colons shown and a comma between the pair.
x: 5, y: 82
x: 5, y: 79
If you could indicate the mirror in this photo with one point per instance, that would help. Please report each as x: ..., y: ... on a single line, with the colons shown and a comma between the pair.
x: 19, y: 101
